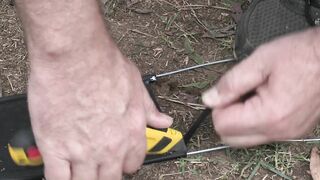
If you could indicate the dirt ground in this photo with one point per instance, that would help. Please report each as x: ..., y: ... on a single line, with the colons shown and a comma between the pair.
x: 160, y: 36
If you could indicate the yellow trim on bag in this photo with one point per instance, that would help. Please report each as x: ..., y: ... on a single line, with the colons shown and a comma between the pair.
x: 19, y: 157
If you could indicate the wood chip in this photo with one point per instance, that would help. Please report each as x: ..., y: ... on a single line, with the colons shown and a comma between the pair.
x: 141, y: 11
x: 315, y: 164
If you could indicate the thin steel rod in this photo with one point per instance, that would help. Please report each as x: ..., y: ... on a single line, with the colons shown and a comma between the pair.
x: 302, y: 140
x: 208, y: 150
x: 194, y: 67
x: 226, y: 147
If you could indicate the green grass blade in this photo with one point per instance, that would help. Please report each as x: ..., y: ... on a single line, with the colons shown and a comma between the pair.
x: 255, y: 170
x: 187, y: 46
x: 197, y: 58
x: 274, y: 170
x: 171, y: 20
x: 191, y: 52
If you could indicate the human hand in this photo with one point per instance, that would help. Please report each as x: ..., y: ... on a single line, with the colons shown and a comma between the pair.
x: 284, y: 76
x: 89, y: 112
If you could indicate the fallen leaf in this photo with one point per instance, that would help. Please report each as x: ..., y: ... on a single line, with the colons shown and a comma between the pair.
x: 315, y: 164
x: 237, y: 12
x: 197, y: 58
x: 220, y: 32
x: 187, y: 46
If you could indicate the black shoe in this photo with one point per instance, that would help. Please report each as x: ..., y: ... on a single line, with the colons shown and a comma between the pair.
x: 265, y: 20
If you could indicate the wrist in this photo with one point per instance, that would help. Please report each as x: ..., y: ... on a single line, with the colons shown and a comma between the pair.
x: 78, y: 60
x: 59, y: 26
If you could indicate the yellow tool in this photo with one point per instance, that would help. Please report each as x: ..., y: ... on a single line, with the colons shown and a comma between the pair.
x: 24, y: 152
x: 162, y: 141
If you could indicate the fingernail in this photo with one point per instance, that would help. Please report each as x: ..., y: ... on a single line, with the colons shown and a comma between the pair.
x: 169, y: 120
x: 211, y: 97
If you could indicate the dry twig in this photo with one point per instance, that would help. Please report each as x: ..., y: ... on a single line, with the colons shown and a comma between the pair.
x: 140, y: 32
x: 187, y: 104
x: 11, y: 85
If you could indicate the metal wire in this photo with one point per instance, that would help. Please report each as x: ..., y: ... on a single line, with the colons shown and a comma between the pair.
x: 208, y: 150
x: 194, y: 67
x: 302, y: 140
x: 226, y: 147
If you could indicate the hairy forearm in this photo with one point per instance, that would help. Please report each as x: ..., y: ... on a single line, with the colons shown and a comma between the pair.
x: 65, y: 27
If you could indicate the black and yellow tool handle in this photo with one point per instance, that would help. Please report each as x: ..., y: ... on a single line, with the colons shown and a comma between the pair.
x: 24, y: 152
x: 162, y: 141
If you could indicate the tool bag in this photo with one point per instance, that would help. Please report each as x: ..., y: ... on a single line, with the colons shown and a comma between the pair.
x: 14, y: 117
x: 265, y: 20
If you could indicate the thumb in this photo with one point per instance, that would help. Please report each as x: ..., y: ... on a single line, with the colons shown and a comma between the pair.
x: 158, y: 120
x: 240, y: 80
x: 155, y: 118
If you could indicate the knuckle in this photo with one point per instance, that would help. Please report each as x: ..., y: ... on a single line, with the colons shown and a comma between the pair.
x: 137, y: 129
x: 113, y: 145
x: 137, y: 154
x: 78, y: 152
x: 132, y: 168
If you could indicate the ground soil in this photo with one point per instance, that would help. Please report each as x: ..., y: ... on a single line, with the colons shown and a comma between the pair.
x: 156, y: 35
